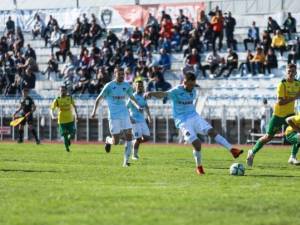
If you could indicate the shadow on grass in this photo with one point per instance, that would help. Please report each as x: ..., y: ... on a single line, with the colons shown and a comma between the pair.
x: 271, y: 175
x: 29, y: 171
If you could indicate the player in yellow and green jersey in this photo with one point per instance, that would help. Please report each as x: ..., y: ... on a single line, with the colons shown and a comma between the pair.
x: 65, y: 103
x: 288, y: 91
x: 292, y: 134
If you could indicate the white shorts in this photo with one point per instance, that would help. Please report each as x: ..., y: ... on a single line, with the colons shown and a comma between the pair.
x: 116, y: 126
x: 140, y: 129
x: 192, y: 127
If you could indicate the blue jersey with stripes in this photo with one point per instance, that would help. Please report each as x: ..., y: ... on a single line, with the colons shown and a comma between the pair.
x: 115, y: 94
x: 183, y: 106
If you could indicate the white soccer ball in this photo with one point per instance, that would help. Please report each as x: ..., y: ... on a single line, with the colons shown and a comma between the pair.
x: 237, y: 169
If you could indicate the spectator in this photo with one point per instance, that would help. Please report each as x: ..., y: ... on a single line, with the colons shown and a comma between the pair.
x: 217, y: 23
x: 55, y: 38
x: 152, y: 22
x: 193, y: 62
x: 51, y: 26
x: 232, y: 61
x: 38, y: 27
x: 246, y: 66
x: 185, y: 30
x: 253, y: 36
x: 229, y: 24
x: 76, y: 33
x: 181, y: 18
x: 64, y: 48
x: 164, y: 60
x: 85, y: 32
x: 166, y: 29
x: 126, y: 36
x: 84, y: 80
x: 158, y: 83
x: 213, y: 60
x: 28, y: 80
x: 128, y: 75
x: 258, y: 61
x: 266, y: 41
x: 19, y: 40
x: 207, y: 36
x: 294, y: 54
x: 136, y: 36
x: 289, y: 25
x: 271, y: 61
x: 128, y: 60
x: 52, y: 66
x: 165, y: 43
x: 272, y: 26
x: 112, y: 39
x: 164, y: 16
x: 203, y: 21
x: 95, y: 31
x: 10, y: 25
x: 30, y: 52
x: 9, y: 69
x: 278, y: 42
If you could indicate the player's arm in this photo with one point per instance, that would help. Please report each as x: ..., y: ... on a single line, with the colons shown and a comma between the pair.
x: 156, y: 94
x: 290, y: 122
x: 75, y: 110
x: 286, y: 100
x: 53, y: 108
x: 17, y: 111
x: 98, y: 100
x: 135, y: 103
x: 148, y: 114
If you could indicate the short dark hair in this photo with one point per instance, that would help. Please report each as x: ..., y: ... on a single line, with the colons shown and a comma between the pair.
x: 190, y: 76
x: 292, y: 65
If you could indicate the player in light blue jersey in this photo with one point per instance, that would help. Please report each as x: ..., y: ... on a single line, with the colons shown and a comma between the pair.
x: 140, y: 129
x: 189, y: 121
x: 116, y: 93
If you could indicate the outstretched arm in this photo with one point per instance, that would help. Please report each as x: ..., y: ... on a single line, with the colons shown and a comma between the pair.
x: 156, y: 94
x: 135, y: 103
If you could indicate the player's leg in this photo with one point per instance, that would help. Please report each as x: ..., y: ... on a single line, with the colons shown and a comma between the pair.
x: 294, y: 139
x: 189, y: 134
x: 31, y: 128
x: 114, y: 139
x: 21, y: 133
x: 203, y: 127
x: 128, y: 146
x: 141, y: 134
x: 197, y: 156
x: 274, y: 126
x: 64, y: 133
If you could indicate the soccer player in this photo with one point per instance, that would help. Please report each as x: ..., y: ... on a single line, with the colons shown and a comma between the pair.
x: 64, y: 103
x: 292, y: 134
x: 189, y: 121
x: 140, y: 129
x: 288, y: 90
x: 115, y: 93
x: 27, y: 107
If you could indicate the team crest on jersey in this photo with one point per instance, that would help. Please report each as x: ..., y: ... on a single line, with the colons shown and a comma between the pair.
x: 124, y: 89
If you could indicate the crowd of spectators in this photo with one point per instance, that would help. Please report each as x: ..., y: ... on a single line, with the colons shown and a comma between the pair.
x: 133, y: 49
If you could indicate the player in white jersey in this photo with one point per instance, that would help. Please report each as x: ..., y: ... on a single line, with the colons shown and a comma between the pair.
x: 140, y: 129
x: 115, y: 93
x: 189, y: 121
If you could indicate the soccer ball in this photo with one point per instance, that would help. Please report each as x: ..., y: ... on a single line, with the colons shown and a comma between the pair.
x: 237, y: 169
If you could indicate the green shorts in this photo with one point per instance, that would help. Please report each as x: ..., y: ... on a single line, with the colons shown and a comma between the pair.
x: 67, y: 128
x: 275, y: 124
x: 293, y: 138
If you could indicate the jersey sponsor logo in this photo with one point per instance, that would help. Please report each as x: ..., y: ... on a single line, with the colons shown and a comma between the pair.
x: 185, y: 102
x: 118, y: 97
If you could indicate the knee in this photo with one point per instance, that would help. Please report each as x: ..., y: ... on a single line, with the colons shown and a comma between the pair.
x: 212, y: 133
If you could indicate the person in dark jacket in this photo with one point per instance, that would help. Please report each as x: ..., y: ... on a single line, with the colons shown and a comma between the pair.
x: 271, y: 61
x: 289, y: 25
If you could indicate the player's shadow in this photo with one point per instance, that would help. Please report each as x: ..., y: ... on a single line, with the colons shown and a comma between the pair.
x: 28, y: 171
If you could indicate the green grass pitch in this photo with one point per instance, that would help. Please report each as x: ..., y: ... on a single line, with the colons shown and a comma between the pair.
x: 41, y: 185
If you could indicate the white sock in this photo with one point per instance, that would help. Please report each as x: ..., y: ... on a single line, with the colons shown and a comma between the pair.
x: 222, y: 141
x: 197, y: 157
x: 109, y: 140
x: 127, y: 152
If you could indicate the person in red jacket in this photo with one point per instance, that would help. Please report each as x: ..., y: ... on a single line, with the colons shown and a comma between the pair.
x: 217, y: 23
